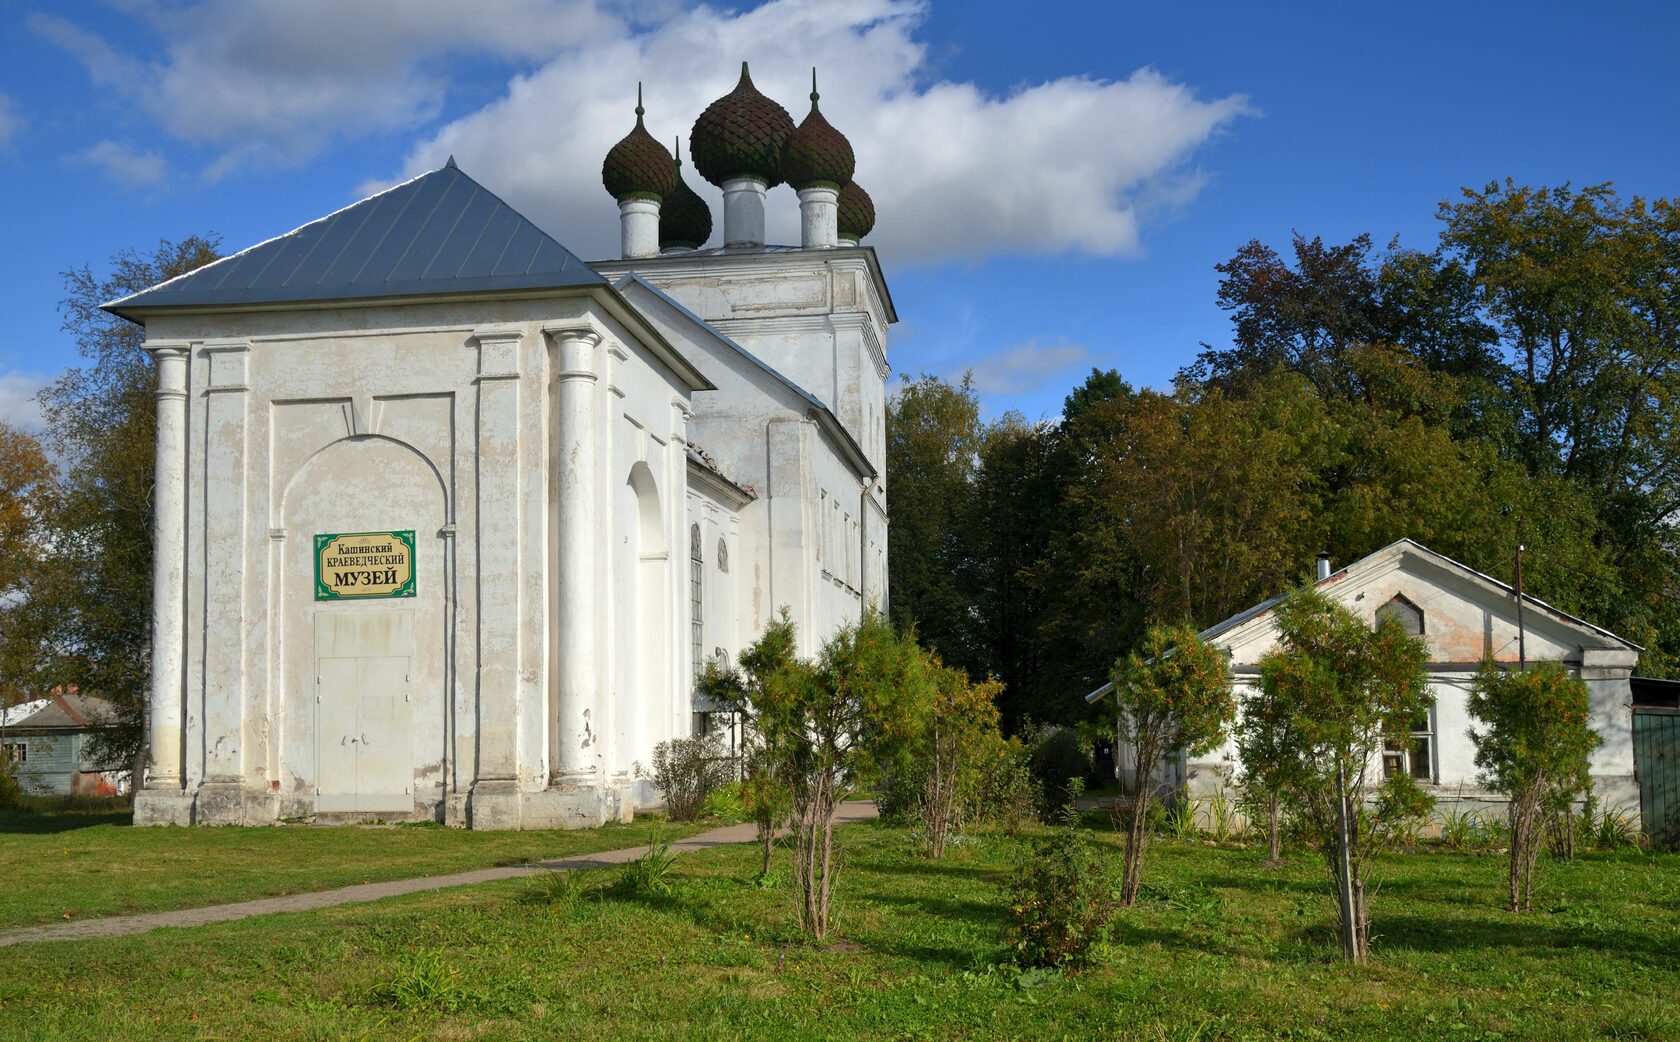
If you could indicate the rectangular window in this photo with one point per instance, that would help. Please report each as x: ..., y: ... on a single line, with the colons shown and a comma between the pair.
x: 1415, y: 755
x: 16, y: 752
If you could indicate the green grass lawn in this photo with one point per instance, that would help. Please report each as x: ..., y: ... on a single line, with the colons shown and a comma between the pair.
x: 1222, y: 948
x: 88, y: 863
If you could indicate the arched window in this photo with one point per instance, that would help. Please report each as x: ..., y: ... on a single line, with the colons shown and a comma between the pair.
x: 697, y: 622
x: 1407, y: 614
x: 723, y: 556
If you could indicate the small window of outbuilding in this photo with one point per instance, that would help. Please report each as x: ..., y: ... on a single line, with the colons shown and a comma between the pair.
x: 17, y: 752
x: 1414, y: 754
x: 1403, y: 611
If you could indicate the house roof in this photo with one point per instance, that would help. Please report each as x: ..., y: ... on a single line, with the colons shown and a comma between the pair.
x: 1228, y: 627
x: 439, y: 233
x: 820, y: 411
x: 65, y: 711
x: 702, y: 462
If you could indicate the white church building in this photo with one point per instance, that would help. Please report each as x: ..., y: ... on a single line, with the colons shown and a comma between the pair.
x: 447, y: 519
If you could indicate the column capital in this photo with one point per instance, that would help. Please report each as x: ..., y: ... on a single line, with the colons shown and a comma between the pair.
x: 576, y: 344
x: 171, y: 356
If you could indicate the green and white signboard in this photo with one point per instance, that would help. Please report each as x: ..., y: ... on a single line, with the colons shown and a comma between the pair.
x: 358, y: 565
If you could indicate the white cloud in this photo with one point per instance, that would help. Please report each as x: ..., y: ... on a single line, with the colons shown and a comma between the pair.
x: 10, y: 121
x: 276, y: 81
x: 956, y: 172
x: 1025, y: 367
x: 17, y: 399
x: 121, y: 162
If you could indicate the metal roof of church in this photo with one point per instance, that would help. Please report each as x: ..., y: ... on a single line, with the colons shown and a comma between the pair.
x: 440, y: 233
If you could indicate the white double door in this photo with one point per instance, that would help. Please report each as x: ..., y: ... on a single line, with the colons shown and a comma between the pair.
x: 364, y: 713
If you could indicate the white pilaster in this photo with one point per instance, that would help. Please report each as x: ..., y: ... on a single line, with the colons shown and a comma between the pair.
x: 743, y: 212
x: 638, y: 225
x: 163, y: 800
x: 494, y: 801
x: 819, y: 216
x: 223, y: 586
x: 575, y: 620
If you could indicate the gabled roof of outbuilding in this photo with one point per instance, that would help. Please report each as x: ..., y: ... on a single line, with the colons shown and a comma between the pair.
x: 440, y: 233
x: 65, y: 710
x: 1226, y: 631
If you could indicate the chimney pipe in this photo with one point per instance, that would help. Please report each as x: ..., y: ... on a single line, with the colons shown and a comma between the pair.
x: 1323, y: 567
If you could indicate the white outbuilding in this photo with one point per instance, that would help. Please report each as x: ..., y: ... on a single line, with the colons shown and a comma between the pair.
x: 448, y: 520
x: 1466, y: 618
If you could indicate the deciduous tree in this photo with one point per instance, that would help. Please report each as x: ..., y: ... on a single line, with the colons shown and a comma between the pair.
x: 1344, y: 690
x: 1172, y: 694
x: 1533, y: 746
x: 101, y: 420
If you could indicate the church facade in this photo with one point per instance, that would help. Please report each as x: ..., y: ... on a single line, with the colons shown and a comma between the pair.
x: 448, y: 520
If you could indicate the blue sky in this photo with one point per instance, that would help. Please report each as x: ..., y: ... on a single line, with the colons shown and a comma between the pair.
x: 1056, y: 181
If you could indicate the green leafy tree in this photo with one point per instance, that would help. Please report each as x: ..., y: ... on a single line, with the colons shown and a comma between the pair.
x: 839, y: 720
x: 1019, y: 478
x: 1265, y: 740
x: 743, y: 689
x: 1534, y: 747
x: 101, y: 420
x: 1173, y: 694
x: 1345, y: 690
x: 962, y: 726
x: 933, y: 445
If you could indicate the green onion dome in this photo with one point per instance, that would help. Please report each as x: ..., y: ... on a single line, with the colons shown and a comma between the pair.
x: 816, y: 155
x: 638, y: 167
x: 741, y: 135
x: 857, y: 213
x: 685, y: 221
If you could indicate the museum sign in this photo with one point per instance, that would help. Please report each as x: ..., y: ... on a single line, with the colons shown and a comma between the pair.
x: 352, y: 565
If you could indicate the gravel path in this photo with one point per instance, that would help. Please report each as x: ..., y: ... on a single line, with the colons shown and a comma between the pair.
x: 123, y: 925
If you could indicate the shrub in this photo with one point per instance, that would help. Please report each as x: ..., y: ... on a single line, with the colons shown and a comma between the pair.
x: 1057, y: 759
x: 687, y: 770
x: 1008, y: 793
x: 11, y: 795
x: 1402, y: 810
x: 725, y: 803
x: 1535, y: 749
x: 1061, y: 901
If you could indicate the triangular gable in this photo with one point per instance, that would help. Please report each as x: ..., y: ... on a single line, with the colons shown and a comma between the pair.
x: 439, y: 233
x: 1241, y: 628
x: 1254, y: 624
